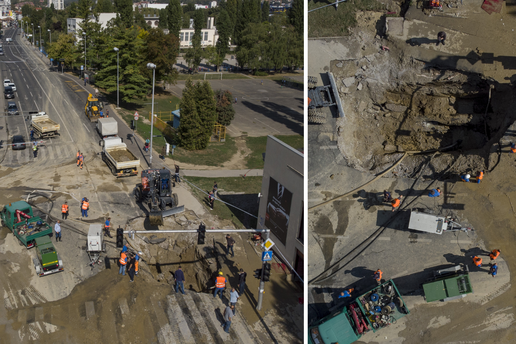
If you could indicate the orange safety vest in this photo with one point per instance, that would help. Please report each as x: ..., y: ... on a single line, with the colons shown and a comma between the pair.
x: 494, y: 254
x: 64, y: 208
x: 480, y: 175
x: 136, y: 266
x: 477, y: 261
x: 513, y: 150
x: 78, y: 154
x: 220, y: 283
x: 85, y: 205
x: 380, y: 273
x: 395, y: 202
x: 122, y: 259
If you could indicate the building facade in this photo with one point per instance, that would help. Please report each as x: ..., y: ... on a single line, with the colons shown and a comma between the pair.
x: 5, y: 8
x: 58, y: 4
x: 282, y: 200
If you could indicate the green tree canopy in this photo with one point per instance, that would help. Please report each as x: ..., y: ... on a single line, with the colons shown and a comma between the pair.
x: 162, y: 50
x: 190, y: 131
x: 174, y: 17
x: 124, y: 8
x: 225, y: 110
x: 296, y: 16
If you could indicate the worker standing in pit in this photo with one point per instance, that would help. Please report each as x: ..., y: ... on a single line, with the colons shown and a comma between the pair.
x: 513, y: 147
x: 396, y: 202
x: 480, y: 176
x: 64, y: 211
x: 477, y: 261
x: 107, y: 227
x: 494, y: 254
x: 85, y: 207
x: 378, y: 276
x: 220, y: 284
x: 123, y: 261
x: 493, y: 270
x: 465, y: 178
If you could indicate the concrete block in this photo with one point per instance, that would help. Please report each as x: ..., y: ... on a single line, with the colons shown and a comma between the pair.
x: 349, y: 81
x: 394, y: 26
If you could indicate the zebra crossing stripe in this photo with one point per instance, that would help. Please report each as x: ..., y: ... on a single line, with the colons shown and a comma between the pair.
x: 196, y: 315
x: 165, y: 334
x: 124, y: 308
x: 175, y: 314
x: 213, y: 324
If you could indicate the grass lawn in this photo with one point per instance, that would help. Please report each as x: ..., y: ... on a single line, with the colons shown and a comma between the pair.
x: 144, y: 130
x: 259, y: 144
x: 200, y: 76
x: 215, y: 155
x: 251, y: 186
x: 331, y: 22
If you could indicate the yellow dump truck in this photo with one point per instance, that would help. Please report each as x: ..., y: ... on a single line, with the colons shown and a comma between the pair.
x: 92, y: 108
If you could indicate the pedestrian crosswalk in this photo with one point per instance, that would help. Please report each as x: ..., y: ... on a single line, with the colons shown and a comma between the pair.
x: 186, y: 319
x: 48, y: 155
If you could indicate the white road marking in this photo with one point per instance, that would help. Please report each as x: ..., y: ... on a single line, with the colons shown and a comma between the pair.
x: 384, y: 238
x: 86, y: 127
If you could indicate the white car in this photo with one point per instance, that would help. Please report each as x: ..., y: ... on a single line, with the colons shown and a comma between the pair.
x: 13, y: 86
x: 8, y: 82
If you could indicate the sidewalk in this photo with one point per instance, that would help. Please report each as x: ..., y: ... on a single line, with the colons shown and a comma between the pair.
x: 222, y: 173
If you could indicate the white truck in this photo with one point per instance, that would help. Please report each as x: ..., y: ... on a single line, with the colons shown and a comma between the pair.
x: 107, y: 127
x: 96, y: 244
x: 43, y: 126
x: 119, y: 159
x: 8, y: 82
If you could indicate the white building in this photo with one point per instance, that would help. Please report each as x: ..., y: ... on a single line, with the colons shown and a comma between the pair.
x: 5, y: 8
x: 209, y: 35
x: 73, y: 24
x: 146, y: 4
x: 213, y: 4
x: 58, y: 4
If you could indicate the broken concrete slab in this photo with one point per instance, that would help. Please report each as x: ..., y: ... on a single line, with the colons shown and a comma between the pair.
x: 348, y: 82
x: 394, y: 26
x: 395, y: 107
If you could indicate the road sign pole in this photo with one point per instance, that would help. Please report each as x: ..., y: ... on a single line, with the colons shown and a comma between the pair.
x: 262, y: 283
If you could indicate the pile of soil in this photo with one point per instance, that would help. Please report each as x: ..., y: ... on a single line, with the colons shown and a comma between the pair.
x: 122, y: 155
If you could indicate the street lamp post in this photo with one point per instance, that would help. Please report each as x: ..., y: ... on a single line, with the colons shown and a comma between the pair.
x: 39, y: 45
x: 153, y: 67
x: 32, y: 33
x: 84, y: 37
x: 117, y: 82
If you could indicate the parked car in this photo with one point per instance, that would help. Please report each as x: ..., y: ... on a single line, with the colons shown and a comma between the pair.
x: 18, y: 142
x: 1, y: 52
x: 12, y: 109
x: 8, y: 92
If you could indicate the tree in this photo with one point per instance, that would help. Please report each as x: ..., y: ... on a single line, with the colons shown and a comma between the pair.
x: 104, y: 6
x: 195, y: 54
x: 232, y: 8
x: 296, y: 16
x: 124, y: 8
x: 64, y: 48
x: 84, y: 9
x: 163, y: 19
x: 207, y: 111
x: 253, y: 49
x: 190, y: 130
x: 174, y: 17
x: 26, y: 10
x: 225, y: 110
x: 139, y: 20
x: 265, y: 11
x: 162, y: 50
x: 224, y: 30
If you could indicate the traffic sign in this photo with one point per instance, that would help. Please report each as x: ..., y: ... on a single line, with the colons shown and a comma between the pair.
x: 268, y: 244
x: 136, y: 116
x: 266, y: 256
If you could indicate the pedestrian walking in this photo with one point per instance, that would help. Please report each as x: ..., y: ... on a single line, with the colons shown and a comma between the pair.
x: 78, y: 155
x: 220, y: 284
x: 228, y: 316
x: 107, y: 113
x: 477, y: 261
x: 378, y: 276
x: 396, y: 203
x: 513, y: 147
x: 387, y: 197
x: 176, y: 175
x: 131, y: 267
x: 179, y: 276
x: 215, y: 188
x: 32, y: 134
x: 230, y: 243
x: 107, y: 227
x: 85, y: 207
x: 441, y: 37
x: 480, y: 176
x: 57, y: 229
x: 84, y: 81
x: 465, y: 178
x: 494, y: 269
x: 146, y: 147
x: 163, y: 153
x: 64, y: 211
x: 346, y: 293
x: 123, y: 261
x: 233, y: 297
x: 241, y: 281
x: 494, y: 254
x: 435, y: 193
x: 211, y: 199
x: 35, y: 150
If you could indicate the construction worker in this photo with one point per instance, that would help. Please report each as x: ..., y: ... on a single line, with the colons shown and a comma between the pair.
x: 480, y: 176
x: 78, y: 155
x: 81, y: 160
x: 346, y: 293
x: 513, y: 147
x: 35, y: 150
x: 378, y: 276
x: 123, y: 262
x: 435, y: 193
x: 64, y: 211
x: 107, y: 227
x: 220, y: 284
x: 136, y: 263
x: 107, y: 113
x: 85, y: 207
x: 396, y: 203
x: 465, y: 178
x: 387, y: 197
x: 477, y: 261
x: 493, y: 270
x: 494, y: 254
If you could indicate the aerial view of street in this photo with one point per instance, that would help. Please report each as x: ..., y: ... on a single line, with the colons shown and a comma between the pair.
x: 411, y: 203
x: 123, y: 227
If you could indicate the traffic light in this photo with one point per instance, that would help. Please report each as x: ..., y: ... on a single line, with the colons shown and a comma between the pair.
x: 266, y: 272
x: 201, y: 234
x: 119, y: 237
x: 258, y: 273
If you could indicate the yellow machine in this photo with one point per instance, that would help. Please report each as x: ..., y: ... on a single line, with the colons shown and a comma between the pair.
x: 92, y: 108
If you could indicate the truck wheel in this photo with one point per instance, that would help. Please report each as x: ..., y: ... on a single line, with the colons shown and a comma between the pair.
x: 60, y: 261
x: 37, y: 267
x: 138, y: 193
x: 176, y: 200
x: 317, y: 118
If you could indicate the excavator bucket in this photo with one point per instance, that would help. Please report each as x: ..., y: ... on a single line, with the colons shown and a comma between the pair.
x: 156, y: 217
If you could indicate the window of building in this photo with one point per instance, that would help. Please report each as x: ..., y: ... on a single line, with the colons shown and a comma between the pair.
x: 181, y: 36
x: 186, y: 36
x: 206, y: 36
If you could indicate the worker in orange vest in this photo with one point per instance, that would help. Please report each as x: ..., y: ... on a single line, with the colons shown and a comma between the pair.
x: 64, y: 211
x: 78, y: 155
x: 494, y: 254
x: 480, y: 176
x: 81, y: 160
x: 136, y: 263
x: 378, y: 276
x: 123, y: 263
x: 513, y: 147
x: 220, y: 284
x: 85, y: 207
x: 396, y: 202
x: 477, y: 261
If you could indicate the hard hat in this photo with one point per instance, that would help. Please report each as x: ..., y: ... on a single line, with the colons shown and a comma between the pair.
x: 221, y: 273
x: 467, y: 176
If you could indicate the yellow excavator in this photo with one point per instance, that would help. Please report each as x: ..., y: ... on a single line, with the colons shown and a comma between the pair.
x: 92, y: 108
